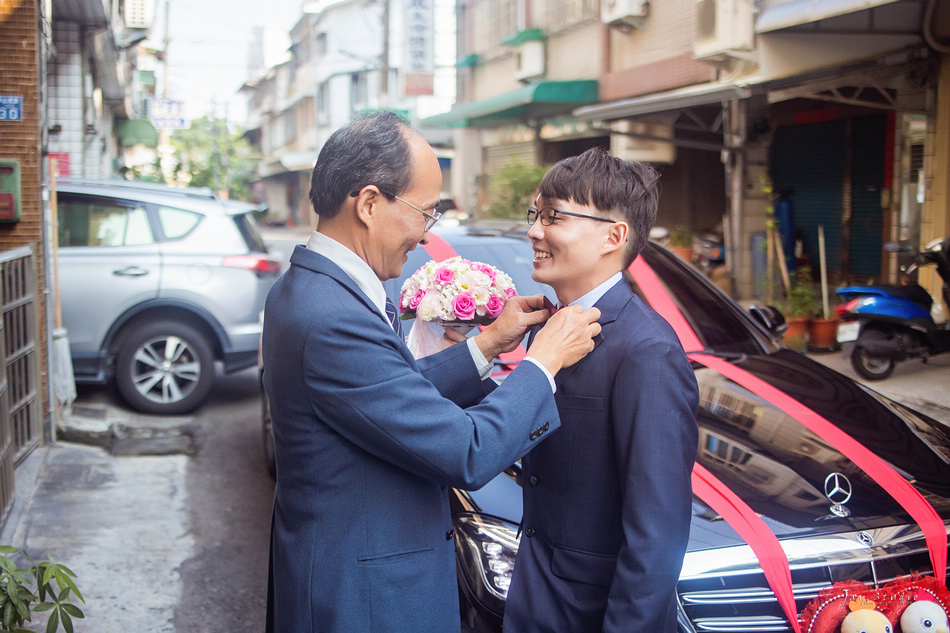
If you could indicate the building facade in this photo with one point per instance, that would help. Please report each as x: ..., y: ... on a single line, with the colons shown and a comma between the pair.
x: 840, y: 107
x: 342, y: 60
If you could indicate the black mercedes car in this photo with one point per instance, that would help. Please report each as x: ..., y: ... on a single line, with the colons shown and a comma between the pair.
x: 802, y: 447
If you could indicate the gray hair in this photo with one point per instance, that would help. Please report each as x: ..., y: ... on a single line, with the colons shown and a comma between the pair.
x: 372, y: 149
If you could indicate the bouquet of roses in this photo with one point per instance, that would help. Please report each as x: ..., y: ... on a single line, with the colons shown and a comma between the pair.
x: 453, y: 292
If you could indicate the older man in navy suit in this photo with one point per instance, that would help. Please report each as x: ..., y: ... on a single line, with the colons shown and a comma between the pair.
x: 367, y: 439
x: 607, y: 497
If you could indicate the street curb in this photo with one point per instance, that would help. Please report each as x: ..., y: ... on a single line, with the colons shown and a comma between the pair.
x: 125, y: 433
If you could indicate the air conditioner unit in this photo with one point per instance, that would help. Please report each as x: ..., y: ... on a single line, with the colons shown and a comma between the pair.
x: 624, y: 13
x: 138, y: 14
x: 724, y: 30
x: 641, y: 141
x: 530, y: 60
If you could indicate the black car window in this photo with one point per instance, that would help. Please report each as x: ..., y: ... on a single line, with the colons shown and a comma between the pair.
x: 720, y: 324
x: 99, y: 222
x: 252, y: 237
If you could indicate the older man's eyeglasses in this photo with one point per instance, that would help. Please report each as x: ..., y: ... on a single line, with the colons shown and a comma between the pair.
x: 547, y: 215
x: 431, y: 218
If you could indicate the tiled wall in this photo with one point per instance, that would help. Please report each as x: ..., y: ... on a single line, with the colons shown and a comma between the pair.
x: 64, y: 76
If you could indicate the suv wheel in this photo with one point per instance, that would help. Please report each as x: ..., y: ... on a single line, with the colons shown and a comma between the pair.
x: 165, y: 368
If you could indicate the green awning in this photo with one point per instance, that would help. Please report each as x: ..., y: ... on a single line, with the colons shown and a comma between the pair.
x: 469, y: 61
x: 136, y: 131
x: 528, y: 35
x: 542, y: 100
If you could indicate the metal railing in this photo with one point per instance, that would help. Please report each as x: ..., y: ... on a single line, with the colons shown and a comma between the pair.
x: 20, y: 383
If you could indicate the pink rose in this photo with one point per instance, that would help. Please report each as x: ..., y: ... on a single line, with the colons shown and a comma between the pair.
x: 416, y: 299
x: 511, y: 292
x: 488, y: 270
x: 494, y: 306
x: 464, y: 306
x: 445, y: 275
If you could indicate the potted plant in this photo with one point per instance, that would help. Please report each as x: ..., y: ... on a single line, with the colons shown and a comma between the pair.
x: 681, y: 242
x: 823, y: 333
x: 801, y: 302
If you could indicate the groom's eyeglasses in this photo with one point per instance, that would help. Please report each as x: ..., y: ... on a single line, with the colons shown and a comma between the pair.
x: 431, y: 218
x: 547, y: 215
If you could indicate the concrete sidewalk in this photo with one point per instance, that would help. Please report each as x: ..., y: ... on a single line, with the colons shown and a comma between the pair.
x: 120, y: 524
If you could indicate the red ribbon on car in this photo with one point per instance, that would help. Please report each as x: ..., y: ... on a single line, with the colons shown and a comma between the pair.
x: 750, y: 526
x: 761, y: 540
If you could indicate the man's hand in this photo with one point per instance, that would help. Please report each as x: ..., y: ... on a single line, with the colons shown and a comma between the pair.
x: 509, y: 328
x: 566, y: 338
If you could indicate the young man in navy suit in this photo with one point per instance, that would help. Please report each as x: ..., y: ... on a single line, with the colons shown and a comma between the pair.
x: 607, y: 498
x: 368, y: 439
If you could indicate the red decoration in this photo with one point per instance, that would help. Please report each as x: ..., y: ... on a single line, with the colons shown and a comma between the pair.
x: 826, y: 612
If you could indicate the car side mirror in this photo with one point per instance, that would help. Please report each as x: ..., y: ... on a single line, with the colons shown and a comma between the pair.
x: 771, y: 318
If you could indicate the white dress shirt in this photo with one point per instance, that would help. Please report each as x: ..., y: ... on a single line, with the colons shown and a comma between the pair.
x: 587, y: 301
x: 367, y: 281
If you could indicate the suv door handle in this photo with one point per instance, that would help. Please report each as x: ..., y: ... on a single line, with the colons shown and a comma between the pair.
x: 130, y: 271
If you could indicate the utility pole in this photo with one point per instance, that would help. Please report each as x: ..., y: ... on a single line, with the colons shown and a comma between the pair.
x: 165, y: 56
x: 164, y: 135
x: 384, y: 61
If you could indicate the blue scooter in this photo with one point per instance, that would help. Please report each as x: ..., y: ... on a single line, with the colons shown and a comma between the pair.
x: 885, y: 324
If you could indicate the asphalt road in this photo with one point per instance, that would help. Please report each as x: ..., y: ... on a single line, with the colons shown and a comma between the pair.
x: 230, y: 494
x: 162, y: 543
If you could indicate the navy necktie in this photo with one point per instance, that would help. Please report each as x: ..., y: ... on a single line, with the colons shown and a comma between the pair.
x: 393, y: 316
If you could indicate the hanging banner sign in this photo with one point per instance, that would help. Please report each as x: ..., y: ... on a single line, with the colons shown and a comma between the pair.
x: 419, y: 66
x: 168, y: 115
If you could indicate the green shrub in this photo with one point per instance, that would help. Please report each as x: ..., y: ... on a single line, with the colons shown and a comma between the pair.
x: 54, y: 587
x: 681, y: 236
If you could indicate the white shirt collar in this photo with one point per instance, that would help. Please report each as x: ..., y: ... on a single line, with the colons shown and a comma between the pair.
x: 351, y: 264
x: 587, y: 301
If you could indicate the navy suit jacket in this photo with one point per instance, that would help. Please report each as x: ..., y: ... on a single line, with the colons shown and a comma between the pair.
x: 607, y: 499
x: 366, y: 443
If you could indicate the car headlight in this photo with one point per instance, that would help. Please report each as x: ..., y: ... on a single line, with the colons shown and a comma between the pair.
x: 488, y: 547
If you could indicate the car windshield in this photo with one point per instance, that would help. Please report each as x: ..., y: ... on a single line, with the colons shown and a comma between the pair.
x: 719, y: 324
x: 512, y: 255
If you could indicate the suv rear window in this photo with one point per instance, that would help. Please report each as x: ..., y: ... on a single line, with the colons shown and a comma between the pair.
x: 252, y: 237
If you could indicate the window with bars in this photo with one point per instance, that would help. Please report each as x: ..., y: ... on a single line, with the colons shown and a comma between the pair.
x: 562, y: 14
x: 494, y: 20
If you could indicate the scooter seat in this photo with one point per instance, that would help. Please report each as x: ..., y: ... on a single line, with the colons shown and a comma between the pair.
x: 913, y: 293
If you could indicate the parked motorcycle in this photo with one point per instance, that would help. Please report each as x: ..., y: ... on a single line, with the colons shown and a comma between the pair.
x: 887, y: 323
x: 709, y: 252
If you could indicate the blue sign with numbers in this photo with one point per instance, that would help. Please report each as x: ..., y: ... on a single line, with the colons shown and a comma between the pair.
x: 11, y: 108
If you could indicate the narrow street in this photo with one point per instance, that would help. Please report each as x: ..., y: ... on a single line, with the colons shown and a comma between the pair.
x: 224, y: 583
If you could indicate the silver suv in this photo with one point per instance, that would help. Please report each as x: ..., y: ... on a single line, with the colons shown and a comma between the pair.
x: 156, y: 284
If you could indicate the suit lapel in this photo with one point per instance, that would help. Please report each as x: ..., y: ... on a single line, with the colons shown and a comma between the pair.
x: 610, y: 306
x: 315, y: 262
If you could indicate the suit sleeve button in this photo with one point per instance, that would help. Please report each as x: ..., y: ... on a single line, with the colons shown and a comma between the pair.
x: 449, y: 534
x: 546, y: 426
x: 533, y: 480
